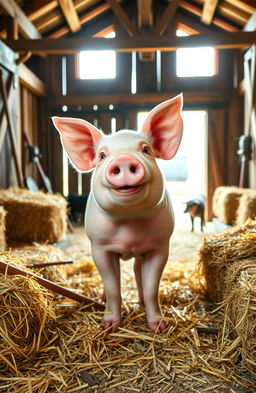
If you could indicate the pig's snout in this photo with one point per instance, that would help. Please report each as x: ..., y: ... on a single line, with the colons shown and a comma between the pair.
x: 125, y: 170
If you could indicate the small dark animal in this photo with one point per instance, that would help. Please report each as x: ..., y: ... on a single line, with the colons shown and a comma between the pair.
x: 76, y: 206
x: 195, y: 207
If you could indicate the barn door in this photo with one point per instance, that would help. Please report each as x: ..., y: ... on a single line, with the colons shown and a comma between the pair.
x: 249, y: 107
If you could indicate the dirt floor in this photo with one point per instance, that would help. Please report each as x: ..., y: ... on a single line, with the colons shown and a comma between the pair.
x: 192, y: 355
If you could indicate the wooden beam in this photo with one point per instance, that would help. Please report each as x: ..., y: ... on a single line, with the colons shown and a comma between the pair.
x: 7, y: 58
x: 209, y: 11
x: 145, y: 13
x: 70, y: 14
x: 84, y: 18
x: 251, y: 24
x: 138, y: 44
x: 10, y: 8
x: 166, y: 18
x: 196, y: 10
x: 123, y: 18
x: 12, y: 30
x: 31, y: 81
x: 38, y: 8
x: 217, y: 97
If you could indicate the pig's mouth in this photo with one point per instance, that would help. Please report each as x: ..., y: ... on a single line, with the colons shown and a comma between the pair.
x: 126, y: 189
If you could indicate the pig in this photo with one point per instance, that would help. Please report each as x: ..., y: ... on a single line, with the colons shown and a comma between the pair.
x: 129, y: 212
x: 195, y: 207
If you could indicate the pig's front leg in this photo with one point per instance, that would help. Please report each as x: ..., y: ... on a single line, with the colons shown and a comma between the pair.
x: 152, y: 267
x: 108, y: 266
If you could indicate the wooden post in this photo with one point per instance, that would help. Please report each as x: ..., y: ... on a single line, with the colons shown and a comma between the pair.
x: 11, y: 132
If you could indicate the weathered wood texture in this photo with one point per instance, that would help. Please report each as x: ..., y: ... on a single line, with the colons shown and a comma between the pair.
x: 250, y: 108
x: 150, y: 43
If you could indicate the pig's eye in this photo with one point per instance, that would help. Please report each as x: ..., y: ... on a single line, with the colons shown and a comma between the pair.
x: 102, y: 155
x: 146, y: 150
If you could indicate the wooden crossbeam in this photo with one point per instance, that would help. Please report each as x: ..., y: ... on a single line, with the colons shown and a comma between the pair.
x: 31, y: 81
x: 10, y: 8
x: 145, y: 43
x: 208, y: 11
x: 70, y: 14
x: 216, y: 97
x: 166, y: 18
x: 145, y: 13
x: 123, y: 18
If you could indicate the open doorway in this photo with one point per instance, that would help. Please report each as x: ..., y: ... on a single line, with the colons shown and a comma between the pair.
x: 185, y: 174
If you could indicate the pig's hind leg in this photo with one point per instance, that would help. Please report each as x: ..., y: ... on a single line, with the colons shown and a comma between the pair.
x: 152, y: 267
x: 108, y: 266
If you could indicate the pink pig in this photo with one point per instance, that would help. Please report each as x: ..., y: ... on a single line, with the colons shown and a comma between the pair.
x: 129, y: 213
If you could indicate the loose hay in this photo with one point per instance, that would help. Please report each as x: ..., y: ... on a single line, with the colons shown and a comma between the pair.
x: 25, y: 313
x: 81, y: 357
x: 34, y: 216
x: 2, y: 228
x: 217, y: 253
x: 38, y: 253
x: 247, y: 207
x: 225, y: 203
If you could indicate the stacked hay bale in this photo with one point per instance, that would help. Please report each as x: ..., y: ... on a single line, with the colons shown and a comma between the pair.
x: 228, y: 263
x: 2, y: 228
x: 225, y: 203
x: 247, y: 207
x: 240, y: 307
x: 34, y: 216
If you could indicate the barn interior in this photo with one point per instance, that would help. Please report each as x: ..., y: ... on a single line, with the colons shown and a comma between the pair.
x: 110, y: 62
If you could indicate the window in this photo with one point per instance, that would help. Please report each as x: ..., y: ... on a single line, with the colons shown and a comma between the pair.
x: 97, y: 64
x: 195, y: 62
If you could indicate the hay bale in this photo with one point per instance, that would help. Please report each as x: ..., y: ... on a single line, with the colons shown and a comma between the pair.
x: 2, y: 228
x: 240, y: 307
x: 247, y: 207
x: 225, y: 203
x: 34, y: 216
x: 217, y: 253
x: 25, y: 313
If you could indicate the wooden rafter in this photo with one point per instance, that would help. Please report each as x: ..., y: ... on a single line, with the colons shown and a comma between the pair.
x: 70, y: 15
x: 10, y: 8
x: 209, y: 11
x: 251, y: 24
x: 145, y: 13
x: 166, y: 18
x: 196, y: 10
x: 84, y: 18
x: 139, y: 44
x: 123, y: 18
x: 37, y: 9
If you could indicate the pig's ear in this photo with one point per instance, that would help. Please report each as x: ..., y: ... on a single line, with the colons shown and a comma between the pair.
x: 79, y: 139
x: 164, y: 125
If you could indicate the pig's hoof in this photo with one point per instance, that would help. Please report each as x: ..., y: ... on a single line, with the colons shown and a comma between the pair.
x: 158, y: 325
x: 111, y: 325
